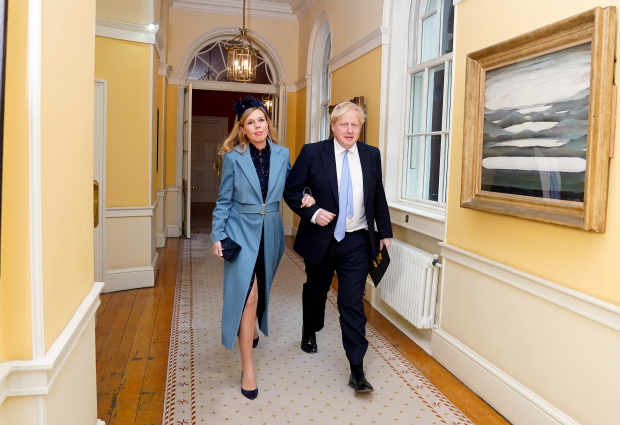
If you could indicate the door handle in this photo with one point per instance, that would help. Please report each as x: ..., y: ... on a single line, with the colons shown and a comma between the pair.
x: 96, y: 202
x: 216, y: 166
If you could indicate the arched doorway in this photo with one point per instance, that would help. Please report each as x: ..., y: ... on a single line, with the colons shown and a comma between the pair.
x: 203, y: 68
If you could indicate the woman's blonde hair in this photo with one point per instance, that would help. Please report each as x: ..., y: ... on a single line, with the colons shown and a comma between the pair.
x: 237, y: 138
x: 344, y: 107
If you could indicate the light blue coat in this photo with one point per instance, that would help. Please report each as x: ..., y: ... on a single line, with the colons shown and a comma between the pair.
x: 238, y: 216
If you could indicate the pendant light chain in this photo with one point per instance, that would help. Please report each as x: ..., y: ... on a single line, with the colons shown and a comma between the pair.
x: 242, y: 56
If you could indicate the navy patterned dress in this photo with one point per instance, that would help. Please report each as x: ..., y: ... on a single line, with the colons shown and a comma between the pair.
x: 260, y: 158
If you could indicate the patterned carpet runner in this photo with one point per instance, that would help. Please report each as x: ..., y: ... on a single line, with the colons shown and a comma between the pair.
x: 203, y: 382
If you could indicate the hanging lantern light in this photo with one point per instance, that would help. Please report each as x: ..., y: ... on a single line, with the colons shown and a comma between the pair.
x: 242, y: 56
x: 268, y: 102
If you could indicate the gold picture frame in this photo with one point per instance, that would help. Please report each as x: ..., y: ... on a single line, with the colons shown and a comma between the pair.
x: 530, y: 148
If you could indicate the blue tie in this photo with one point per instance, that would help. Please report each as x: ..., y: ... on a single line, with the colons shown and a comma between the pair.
x: 345, y: 199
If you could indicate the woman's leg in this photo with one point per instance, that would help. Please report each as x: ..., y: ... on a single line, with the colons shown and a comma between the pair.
x: 246, y: 335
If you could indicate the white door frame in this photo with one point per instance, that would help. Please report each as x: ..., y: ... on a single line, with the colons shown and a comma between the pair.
x: 186, y: 160
x: 99, y: 170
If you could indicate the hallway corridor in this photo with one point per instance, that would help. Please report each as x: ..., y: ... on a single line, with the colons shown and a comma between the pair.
x: 133, y: 336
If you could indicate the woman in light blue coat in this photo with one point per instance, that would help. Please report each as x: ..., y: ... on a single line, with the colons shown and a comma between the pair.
x: 248, y: 212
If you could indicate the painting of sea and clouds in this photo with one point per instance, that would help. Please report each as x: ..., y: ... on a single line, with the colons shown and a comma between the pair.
x: 536, y: 126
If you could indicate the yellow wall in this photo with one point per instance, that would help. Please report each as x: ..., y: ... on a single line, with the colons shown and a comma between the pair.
x: 291, y: 125
x: 127, y: 68
x: 300, y: 126
x: 187, y: 26
x: 15, y: 312
x: 362, y: 77
x: 170, y: 167
x: 350, y: 21
x: 134, y: 11
x: 67, y: 104
x: 579, y: 260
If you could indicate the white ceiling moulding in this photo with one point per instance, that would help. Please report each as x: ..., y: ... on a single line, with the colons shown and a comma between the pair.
x: 255, y: 8
x: 129, y: 32
x: 455, y: 2
x: 302, y: 7
x: 379, y: 37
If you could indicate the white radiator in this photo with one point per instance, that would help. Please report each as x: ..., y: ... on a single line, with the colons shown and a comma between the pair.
x: 409, y: 285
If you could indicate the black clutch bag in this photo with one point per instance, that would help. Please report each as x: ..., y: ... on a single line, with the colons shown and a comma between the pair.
x: 378, y: 265
x: 230, y: 249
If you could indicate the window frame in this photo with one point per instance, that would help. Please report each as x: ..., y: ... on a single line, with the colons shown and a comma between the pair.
x: 325, y: 90
x: 414, y: 48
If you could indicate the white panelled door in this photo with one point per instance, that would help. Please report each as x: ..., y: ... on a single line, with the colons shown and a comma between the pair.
x: 208, y: 133
x: 187, y: 163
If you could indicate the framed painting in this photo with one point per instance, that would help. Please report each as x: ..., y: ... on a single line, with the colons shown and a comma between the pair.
x: 3, y: 32
x: 539, y: 123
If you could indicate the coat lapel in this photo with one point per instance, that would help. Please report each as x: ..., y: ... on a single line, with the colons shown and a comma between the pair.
x: 276, y: 165
x: 329, y: 162
x: 365, y: 162
x: 246, y: 164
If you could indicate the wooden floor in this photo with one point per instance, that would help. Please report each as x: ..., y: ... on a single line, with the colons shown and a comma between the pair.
x: 133, y: 335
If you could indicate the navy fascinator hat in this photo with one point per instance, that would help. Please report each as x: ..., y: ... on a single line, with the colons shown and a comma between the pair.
x: 241, y: 106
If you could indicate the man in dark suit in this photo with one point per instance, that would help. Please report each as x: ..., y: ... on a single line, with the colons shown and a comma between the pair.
x: 338, y: 233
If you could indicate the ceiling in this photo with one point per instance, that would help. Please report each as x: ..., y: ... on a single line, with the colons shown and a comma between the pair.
x: 274, y: 9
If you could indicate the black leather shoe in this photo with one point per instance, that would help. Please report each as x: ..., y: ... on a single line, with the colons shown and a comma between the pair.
x: 308, y: 341
x: 358, y: 381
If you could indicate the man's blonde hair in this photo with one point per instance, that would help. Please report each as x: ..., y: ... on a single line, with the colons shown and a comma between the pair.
x: 344, y: 107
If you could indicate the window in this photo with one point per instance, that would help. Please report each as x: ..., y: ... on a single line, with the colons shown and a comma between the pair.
x: 427, y: 132
x: 209, y: 64
x: 325, y: 90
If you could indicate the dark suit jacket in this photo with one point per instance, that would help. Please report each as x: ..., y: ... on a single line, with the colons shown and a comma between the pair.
x: 316, y: 168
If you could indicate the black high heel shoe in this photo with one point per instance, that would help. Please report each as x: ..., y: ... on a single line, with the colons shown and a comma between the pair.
x: 255, y: 342
x: 251, y: 394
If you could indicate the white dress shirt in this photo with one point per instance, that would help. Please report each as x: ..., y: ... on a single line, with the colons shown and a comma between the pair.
x: 358, y: 221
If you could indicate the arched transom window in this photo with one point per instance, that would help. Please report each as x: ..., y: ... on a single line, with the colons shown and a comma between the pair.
x: 209, y: 64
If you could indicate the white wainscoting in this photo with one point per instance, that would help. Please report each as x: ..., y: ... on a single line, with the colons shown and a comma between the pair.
x: 535, y: 350
x: 130, y: 240
x: 37, y: 377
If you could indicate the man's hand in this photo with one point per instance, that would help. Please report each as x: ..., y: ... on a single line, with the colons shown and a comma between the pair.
x: 216, y: 248
x: 323, y: 218
x: 387, y: 242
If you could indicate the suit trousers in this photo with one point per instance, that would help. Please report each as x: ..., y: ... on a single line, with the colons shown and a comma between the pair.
x: 349, y: 259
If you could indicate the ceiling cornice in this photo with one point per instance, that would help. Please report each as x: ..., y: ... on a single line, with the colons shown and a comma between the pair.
x: 255, y: 8
x: 302, y: 7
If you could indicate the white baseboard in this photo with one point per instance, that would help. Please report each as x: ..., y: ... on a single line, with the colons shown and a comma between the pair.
x: 517, y: 404
x: 173, y: 231
x: 288, y: 230
x: 130, y: 278
x: 37, y: 377
x: 161, y: 240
